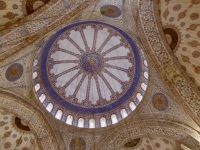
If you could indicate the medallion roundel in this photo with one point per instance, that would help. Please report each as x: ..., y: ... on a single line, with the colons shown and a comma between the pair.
x: 93, y: 72
x: 14, y: 72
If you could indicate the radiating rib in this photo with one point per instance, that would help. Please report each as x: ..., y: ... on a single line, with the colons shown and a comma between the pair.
x: 65, y: 61
x: 104, y: 43
x: 68, y: 52
x: 115, y: 67
x: 79, y: 84
x: 116, y: 58
x: 95, y: 39
x: 111, y: 49
x: 106, y: 82
x: 84, y: 40
x: 88, y: 87
x: 76, y: 45
x: 72, y: 79
x: 98, y: 87
x: 65, y: 72
x: 113, y: 76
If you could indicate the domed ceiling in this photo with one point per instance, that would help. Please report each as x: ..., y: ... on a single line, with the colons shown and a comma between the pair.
x: 90, y: 74
x: 181, y: 25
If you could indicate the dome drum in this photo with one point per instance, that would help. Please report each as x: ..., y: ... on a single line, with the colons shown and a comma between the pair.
x: 90, y: 71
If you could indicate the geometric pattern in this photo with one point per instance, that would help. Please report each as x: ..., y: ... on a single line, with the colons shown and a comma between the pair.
x: 160, y: 101
x: 91, y: 68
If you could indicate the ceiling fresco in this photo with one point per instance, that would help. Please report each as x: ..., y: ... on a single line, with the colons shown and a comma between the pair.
x: 181, y: 26
x: 99, y: 74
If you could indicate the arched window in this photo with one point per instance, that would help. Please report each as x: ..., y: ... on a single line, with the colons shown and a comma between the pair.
x: 37, y: 87
x: 92, y: 123
x: 144, y: 86
x: 42, y: 98
x: 34, y: 75
x: 124, y: 113
x: 114, y: 119
x: 81, y: 122
x: 145, y: 63
x: 146, y: 75
x: 69, y: 120
x: 58, y: 114
x: 132, y: 106
x: 49, y: 107
x: 35, y: 62
x: 103, y: 122
x: 139, y: 96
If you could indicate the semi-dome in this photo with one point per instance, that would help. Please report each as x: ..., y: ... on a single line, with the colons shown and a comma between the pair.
x: 90, y: 74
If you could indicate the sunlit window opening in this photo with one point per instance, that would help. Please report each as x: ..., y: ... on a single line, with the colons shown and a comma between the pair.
x: 35, y: 62
x: 34, y: 75
x: 59, y: 114
x: 146, y: 75
x: 139, y: 96
x: 132, y: 106
x: 69, y: 120
x: 144, y: 86
x: 49, y: 107
x: 42, y: 98
x: 103, y: 122
x: 145, y: 63
x: 114, y: 119
x: 81, y: 122
x: 124, y: 113
x: 92, y: 123
x: 37, y: 87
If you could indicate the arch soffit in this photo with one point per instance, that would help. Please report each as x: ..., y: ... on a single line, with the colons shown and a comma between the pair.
x: 19, y: 106
x: 45, y: 27
x: 143, y: 128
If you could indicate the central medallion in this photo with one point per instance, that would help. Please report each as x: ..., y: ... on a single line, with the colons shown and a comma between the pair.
x: 91, y: 62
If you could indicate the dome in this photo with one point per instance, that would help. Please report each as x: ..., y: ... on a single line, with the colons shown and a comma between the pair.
x: 90, y: 74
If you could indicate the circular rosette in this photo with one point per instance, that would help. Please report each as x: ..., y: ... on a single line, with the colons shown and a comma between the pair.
x: 91, y: 69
